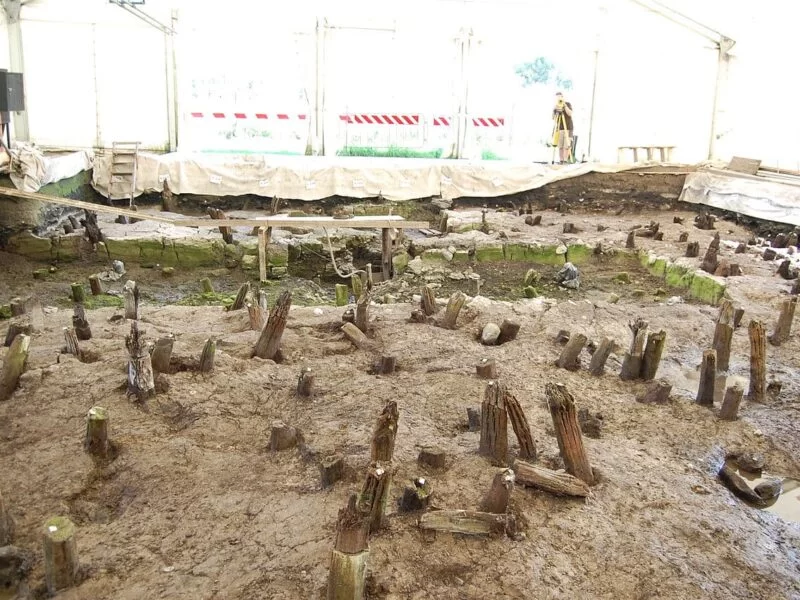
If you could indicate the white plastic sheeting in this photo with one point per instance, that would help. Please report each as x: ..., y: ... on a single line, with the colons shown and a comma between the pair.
x: 31, y: 169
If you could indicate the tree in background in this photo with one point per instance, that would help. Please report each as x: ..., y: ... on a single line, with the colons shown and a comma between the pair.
x: 542, y: 70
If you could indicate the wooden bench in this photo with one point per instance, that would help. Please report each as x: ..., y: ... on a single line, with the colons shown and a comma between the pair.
x: 665, y: 152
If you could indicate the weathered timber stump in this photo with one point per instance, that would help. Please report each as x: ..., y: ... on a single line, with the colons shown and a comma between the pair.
x: 207, y: 356
x: 496, y: 499
x: 355, y: 335
x: 708, y: 379
x: 597, y: 366
x: 723, y: 335
x: 162, y: 353
x: 256, y: 316
x: 741, y: 248
x: 375, y: 494
x: 561, y: 484
x: 779, y: 241
x: 386, y: 365
x: 769, y: 254
x: 82, y: 330
x: 227, y: 232
x: 282, y: 437
x: 508, y: 331
x: 91, y: 229
x: 631, y: 241
x: 786, y: 271
x: 730, y: 405
x: 527, y: 447
x: 348, y: 567
x: 357, y: 285
x: 14, y: 365
x: 652, y: 354
x: 428, y: 302
x: 130, y: 292
x: 433, y: 457
x: 60, y: 554
x: 17, y: 326
x: 454, y: 306
x: 632, y: 363
x: 331, y: 470
x: 362, y: 312
x: 710, y: 260
x: 241, y: 296
x: 382, y: 446
x: 71, y: 341
x: 693, y: 249
x: 77, y: 293
x: 494, y: 424
x: 656, y: 392
x: 95, y: 285
x: 784, y: 326
x: 305, y: 383
x: 140, y: 369
x: 269, y: 342
x: 6, y: 524
x: 704, y: 221
x: 758, y: 362
x: 568, y: 432
x: 342, y: 293
x: 467, y: 522
x: 533, y: 220
x: 737, y: 317
x: 416, y: 496
x: 569, y: 228
x: 96, y: 441
x: 486, y: 368
x: 206, y: 287
x: 74, y: 223
x: 473, y: 419
x: 570, y: 355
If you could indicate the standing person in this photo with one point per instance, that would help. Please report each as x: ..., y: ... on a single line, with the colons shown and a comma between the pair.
x: 563, y: 128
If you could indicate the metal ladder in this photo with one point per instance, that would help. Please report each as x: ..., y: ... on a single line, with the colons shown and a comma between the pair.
x: 122, y: 173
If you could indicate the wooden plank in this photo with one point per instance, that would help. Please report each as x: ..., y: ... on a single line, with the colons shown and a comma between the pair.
x: 748, y: 166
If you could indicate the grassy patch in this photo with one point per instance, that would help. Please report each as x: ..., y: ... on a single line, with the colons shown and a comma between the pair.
x: 390, y: 152
x: 91, y: 302
x: 207, y: 299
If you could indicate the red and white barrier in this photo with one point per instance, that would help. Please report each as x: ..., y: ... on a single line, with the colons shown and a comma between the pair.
x: 382, y: 119
x: 488, y: 121
x: 240, y: 115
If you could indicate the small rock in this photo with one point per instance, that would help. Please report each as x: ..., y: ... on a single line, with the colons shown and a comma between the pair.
x: 319, y: 312
x: 168, y: 271
x: 638, y: 293
x: 767, y: 490
x: 490, y: 334
x: 447, y: 255
x: 568, y: 276
x: 699, y: 489
x: 119, y: 267
x: 531, y: 277
x: 613, y: 298
x: 622, y: 277
x: 752, y: 462
x: 561, y: 249
x: 672, y: 300
x: 415, y: 265
x: 456, y: 276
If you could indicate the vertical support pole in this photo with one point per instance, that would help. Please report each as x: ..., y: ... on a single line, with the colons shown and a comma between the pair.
x: 723, y: 58
x: 172, y: 84
x: 262, y: 254
x: 16, y: 62
x: 318, y: 143
x: 386, y: 254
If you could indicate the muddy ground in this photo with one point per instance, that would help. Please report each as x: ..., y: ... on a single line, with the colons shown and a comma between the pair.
x: 196, y: 506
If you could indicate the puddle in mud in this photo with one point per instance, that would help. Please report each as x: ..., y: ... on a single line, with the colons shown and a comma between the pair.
x: 787, y: 505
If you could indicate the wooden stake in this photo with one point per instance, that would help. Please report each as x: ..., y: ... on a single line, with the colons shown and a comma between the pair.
x: 370, y: 282
x: 569, y: 228
x: 74, y: 222
x: 473, y: 419
x: 357, y: 285
x: 454, y: 306
x: 241, y: 296
x: 206, y: 286
x: 227, y: 232
x: 81, y: 325
x: 486, y: 368
x: 162, y: 353
x: 355, y: 335
x: 305, y: 383
x: 95, y: 285
x: 141, y: 382
x: 257, y: 316
x: 632, y: 363
x: 730, y: 405
x: 570, y: 355
x: 598, y: 364
x: 17, y: 326
x: 386, y: 254
x: 348, y: 569
x: 708, y: 374
x: 331, y: 470
x: 14, y: 365
x: 282, y: 437
x: 262, y: 301
x: 652, y: 354
x: 758, y: 362
x: 723, y: 335
x: 342, y: 294
x: 568, y: 432
x: 130, y: 292
x: 19, y: 306
x: 78, y: 293
x: 496, y: 499
x: 433, y: 457
x: 683, y: 237
x: 737, y: 317
x: 207, y: 356
x: 91, y: 229
x: 656, y: 393
x: 527, y: 447
x: 382, y: 447
x: 784, y: 326
x: 96, y: 441
x: 60, y: 554
x: 631, y: 241
x: 417, y: 496
x: 508, y: 331
x: 494, y: 424
x: 262, y: 254
x: 6, y: 524
x: 561, y: 484
x: 269, y: 342
x: 466, y: 522
x: 71, y: 341
x: 693, y: 249
x: 362, y: 312
x: 375, y: 494
x: 386, y: 365
x: 428, y: 301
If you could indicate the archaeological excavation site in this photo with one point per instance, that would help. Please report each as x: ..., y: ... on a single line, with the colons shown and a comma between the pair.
x: 347, y: 351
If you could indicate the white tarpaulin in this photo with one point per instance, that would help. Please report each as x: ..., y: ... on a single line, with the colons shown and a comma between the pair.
x: 751, y: 195
x: 316, y: 178
x: 31, y: 169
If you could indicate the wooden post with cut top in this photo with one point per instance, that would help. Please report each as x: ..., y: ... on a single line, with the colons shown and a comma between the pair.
x: 568, y: 432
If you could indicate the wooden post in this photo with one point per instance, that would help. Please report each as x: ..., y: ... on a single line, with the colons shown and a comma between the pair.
x: 162, y: 353
x: 508, y: 331
x: 6, y: 524
x: 74, y: 222
x: 357, y: 285
x: 342, y: 294
x: 494, y: 424
x: 130, y: 292
x: 207, y: 356
x: 723, y: 335
x: 96, y: 441
x: 758, y: 362
x: 355, y: 335
x: 81, y: 325
x: 227, y: 232
x: 473, y: 419
x: 486, y: 368
x: 598, y: 364
x: 78, y: 293
x: 19, y: 306
x: 282, y: 437
x: 433, y: 457
x: 382, y: 447
x: 428, y: 301
x: 305, y: 383
x: 71, y: 341
x: 568, y: 432
x: 348, y: 569
x: 454, y: 307
x: 91, y: 229
x: 632, y: 363
x: 784, y: 325
x: 693, y: 249
x: 561, y: 484
x: 683, y: 237
x: 710, y: 260
x: 206, y: 286
x: 730, y: 405
x: 386, y: 254
x: 262, y: 254
x: 656, y: 392
x: 496, y: 499
x: 331, y: 470
x: 527, y: 447
x: 95, y: 285
x: 140, y: 369
x: 375, y: 494
x: 417, y: 496
x: 256, y: 316
x: 269, y: 342
x: 370, y: 282
x: 631, y: 241
x: 443, y: 222
x: 652, y: 354
x: 386, y: 365
x: 241, y: 296
x: 570, y: 355
x: 737, y: 317
x: 362, y: 312
x: 708, y: 379
x: 60, y: 554
x: 17, y: 326
x: 14, y: 365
